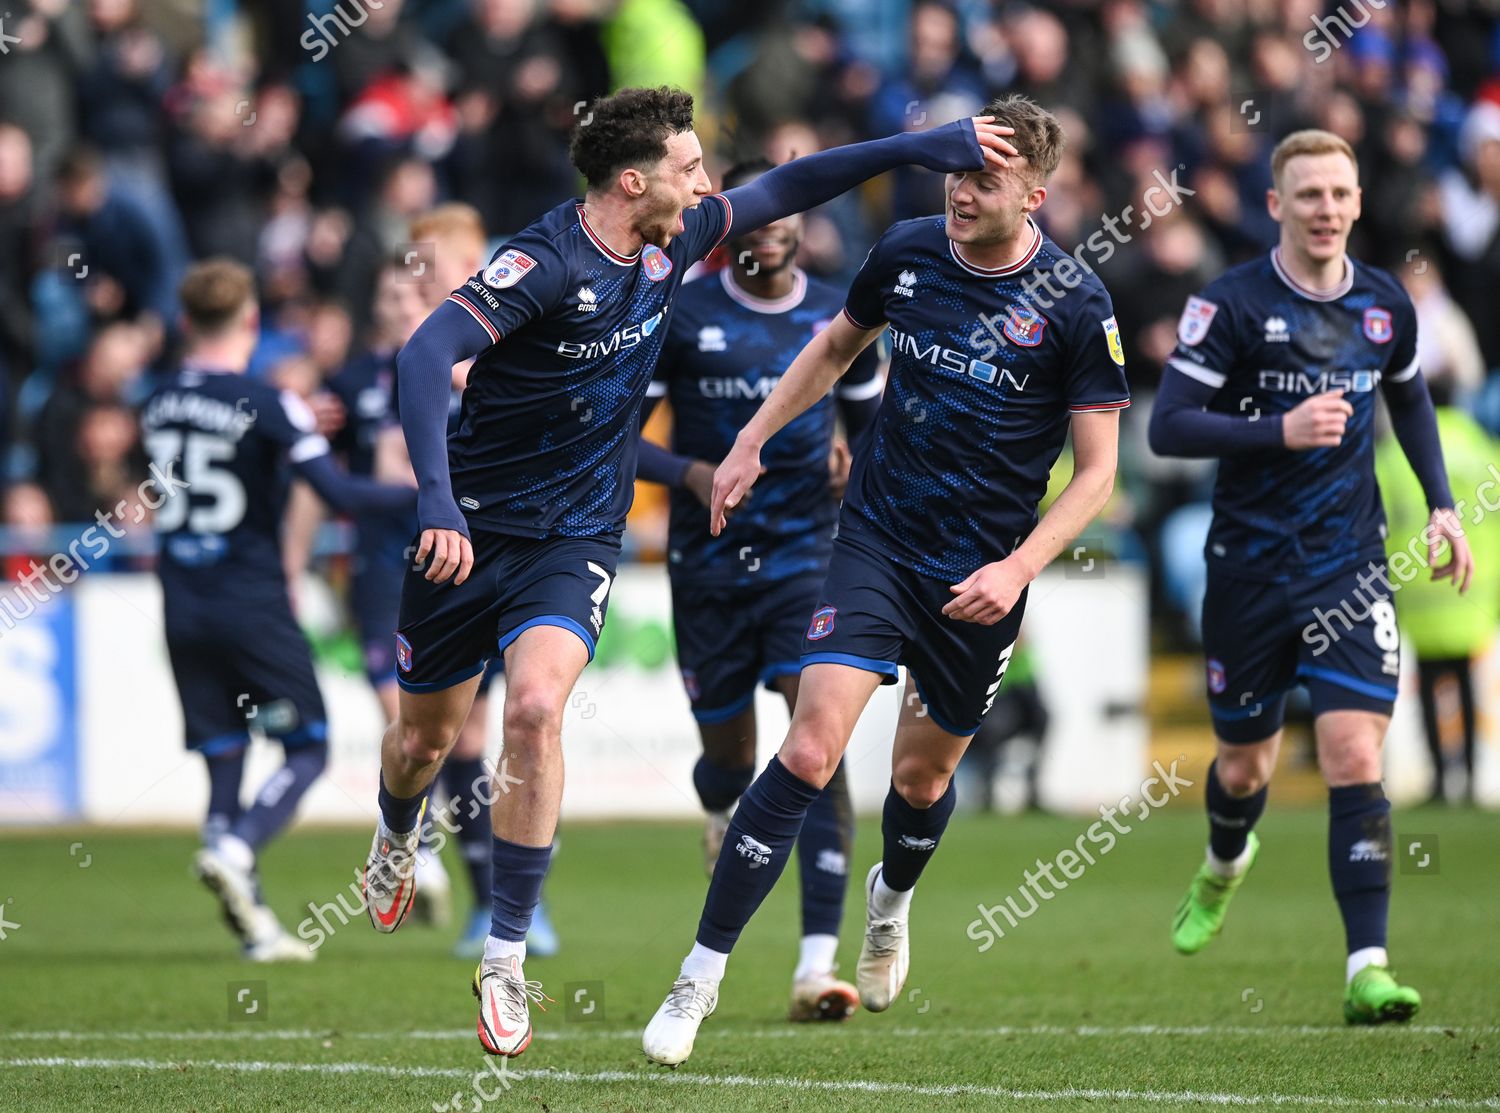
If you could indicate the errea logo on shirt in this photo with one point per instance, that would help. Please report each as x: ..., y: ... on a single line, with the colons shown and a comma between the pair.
x: 588, y: 301
x: 906, y: 282
x: 711, y: 339
x: 1276, y: 330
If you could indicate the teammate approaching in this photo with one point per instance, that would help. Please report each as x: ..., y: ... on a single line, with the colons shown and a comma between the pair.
x: 938, y: 536
x: 740, y: 601
x: 1275, y: 372
x: 237, y: 654
x: 521, y: 511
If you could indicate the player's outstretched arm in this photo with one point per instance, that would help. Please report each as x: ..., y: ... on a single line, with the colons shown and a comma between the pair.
x: 807, y: 182
x: 1414, y: 422
x: 424, y: 377
x: 352, y: 494
x: 811, y: 376
x: 1182, y: 426
x: 991, y: 592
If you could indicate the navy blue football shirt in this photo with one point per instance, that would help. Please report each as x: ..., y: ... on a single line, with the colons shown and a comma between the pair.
x: 546, y: 445
x: 985, y: 371
x: 229, y: 441
x: 1267, y: 344
x: 724, y: 353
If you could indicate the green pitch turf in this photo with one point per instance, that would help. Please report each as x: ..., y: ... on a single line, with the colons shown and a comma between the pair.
x: 120, y: 990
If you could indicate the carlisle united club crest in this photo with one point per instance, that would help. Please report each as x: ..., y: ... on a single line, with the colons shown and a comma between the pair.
x: 655, y: 263
x: 822, y: 623
x: 1378, y: 328
x: 1024, y: 326
x: 690, y: 684
x: 403, y: 653
x: 1216, y: 681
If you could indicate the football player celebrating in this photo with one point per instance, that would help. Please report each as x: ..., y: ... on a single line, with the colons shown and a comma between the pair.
x: 521, y: 510
x: 938, y: 536
x: 1275, y: 373
x: 740, y: 601
x: 229, y: 443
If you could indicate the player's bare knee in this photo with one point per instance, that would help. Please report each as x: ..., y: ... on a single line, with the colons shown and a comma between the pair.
x: 810, y: 755
x: 421, y: 744
x: 921, y: 788
x: 533, y: 719
x: 1242, y: 774
x: 1351, y: 762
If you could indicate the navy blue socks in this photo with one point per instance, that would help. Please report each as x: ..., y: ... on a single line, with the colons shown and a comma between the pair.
x: 756, y: 848
x: 823, y: 849
x: 518, y: 873
x: 911, y: 835
x: 1359, y: 861
x: 278, y: 798
x: 471, y: 816
x: 399, y: 813
x: 1230, y: 818
x: 718, y: 787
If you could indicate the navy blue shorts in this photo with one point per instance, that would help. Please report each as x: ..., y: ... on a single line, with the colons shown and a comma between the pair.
x: 730, y: 639
x: 446, y: 633
x: 1332, y: 634
x: 239, y: 667
x: 875, y: 614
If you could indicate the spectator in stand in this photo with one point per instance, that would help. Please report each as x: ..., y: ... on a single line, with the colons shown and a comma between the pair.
x: 18, y: 251
x: 51, y: 49
x: 124, y: 87
x: 408, y: 187
x: 109, y: 376
x: 131, y: 269
x: 1471, y: 224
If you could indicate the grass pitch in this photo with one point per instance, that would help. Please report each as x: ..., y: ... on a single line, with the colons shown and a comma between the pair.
x: 120, y: 990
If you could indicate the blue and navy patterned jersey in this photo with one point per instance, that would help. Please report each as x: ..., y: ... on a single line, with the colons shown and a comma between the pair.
x: 367, y: 388
x: 227, y: 442
x: 724, y: 354
x: 986, y: 367
x: 547, y: 442
x: 1268, y: 344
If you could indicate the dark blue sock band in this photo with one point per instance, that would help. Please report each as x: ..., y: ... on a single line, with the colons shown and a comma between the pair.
x: 399, y: 813
x: 823, y: 849
x: 277, y: 801
x: 1230, y: 818
x: 1359, y: 861
x: 911, y: 835
x: 756, y: 848
x: 718, y: 787
x: 517, y: 876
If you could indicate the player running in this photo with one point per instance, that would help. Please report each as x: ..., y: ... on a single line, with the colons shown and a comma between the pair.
x: 740, y: 601
x: 1275, y: 372
x: 938, y: 536
x: 521, y: 511
x: 237, y: 654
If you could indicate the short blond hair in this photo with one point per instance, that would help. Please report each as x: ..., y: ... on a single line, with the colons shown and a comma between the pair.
x: 1038, y: 138
x: 451, y: 219
x: 1310, y: 141
x: 214, y: 293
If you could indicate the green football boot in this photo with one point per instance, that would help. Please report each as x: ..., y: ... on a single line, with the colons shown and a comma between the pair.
x: 1201, y: 913
x: 1375, y: 997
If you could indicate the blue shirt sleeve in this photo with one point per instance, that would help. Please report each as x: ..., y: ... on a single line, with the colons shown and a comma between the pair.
x: 1413, y: 419
x: 1094, y: 375
x: 865, y: 305
x: 523, y: 280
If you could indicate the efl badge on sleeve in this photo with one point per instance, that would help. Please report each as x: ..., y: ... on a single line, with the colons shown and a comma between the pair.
x: 403, y: 653
x: 1196, y: 317
x: 1112, y: 335
x: 1024, y: 326
x: 655, y: 263
x: 509, y: 267
x: 1216, y: 681
x: 1378, y: 329
x: 822, y: 623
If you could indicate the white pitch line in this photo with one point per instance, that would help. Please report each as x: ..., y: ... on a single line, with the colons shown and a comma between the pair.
x: 770, y: 1083
x: 464, y: 1034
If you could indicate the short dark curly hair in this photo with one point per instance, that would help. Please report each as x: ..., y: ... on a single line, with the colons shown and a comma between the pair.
x: 629, y: 128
